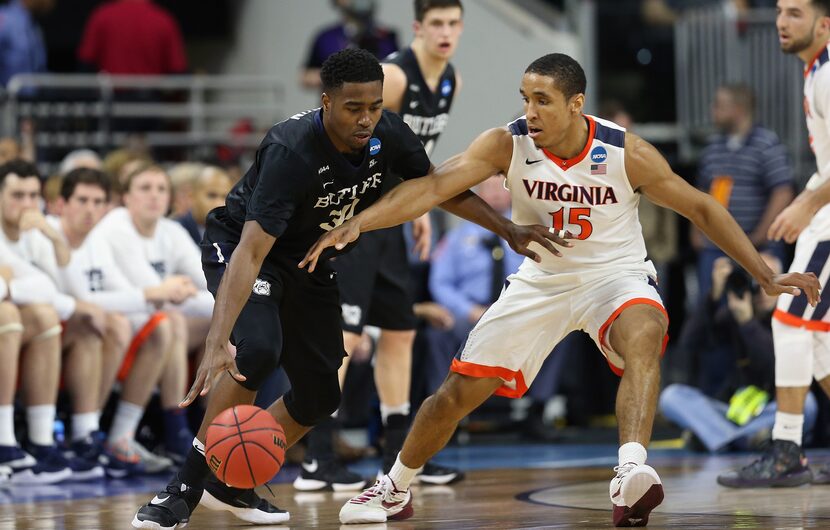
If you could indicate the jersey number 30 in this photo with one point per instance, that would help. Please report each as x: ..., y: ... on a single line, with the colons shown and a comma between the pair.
x: 580, y: 217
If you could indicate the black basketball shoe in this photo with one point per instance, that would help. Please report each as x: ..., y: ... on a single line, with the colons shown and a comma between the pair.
x: 328, y: 474
x: 170, y: 508
x: 244, y: 504
x: 439, y: 475
x: 782, y: 464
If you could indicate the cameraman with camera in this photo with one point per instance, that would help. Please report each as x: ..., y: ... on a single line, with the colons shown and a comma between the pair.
x: 730, y: 335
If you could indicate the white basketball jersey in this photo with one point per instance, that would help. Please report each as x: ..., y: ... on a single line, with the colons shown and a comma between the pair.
x: 589, y: 195
x: 817, y: 111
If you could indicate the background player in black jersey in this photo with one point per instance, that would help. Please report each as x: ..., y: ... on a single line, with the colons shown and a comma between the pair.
x: 312, y: 172
x: 375, y: 283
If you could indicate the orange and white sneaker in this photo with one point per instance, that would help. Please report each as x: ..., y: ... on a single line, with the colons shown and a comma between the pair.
x: 378, y: 504
x: 635, y: 492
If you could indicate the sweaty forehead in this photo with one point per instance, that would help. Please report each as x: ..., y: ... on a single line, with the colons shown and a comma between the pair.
x: 360, y: 92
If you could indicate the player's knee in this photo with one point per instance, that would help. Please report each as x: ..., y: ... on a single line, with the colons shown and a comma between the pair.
x: 256, y: 359
x: 308, y: 409
x: 118, y: 331
x: 40, y: 318
x: 645, y: 341
x: 159, y: 341
x: 9, y: 314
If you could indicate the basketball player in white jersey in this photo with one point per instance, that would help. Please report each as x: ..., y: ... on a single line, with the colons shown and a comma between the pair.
x: 146, y: 336
x: 582, y: 176
x: 149, y: 249
x: 801, y: 334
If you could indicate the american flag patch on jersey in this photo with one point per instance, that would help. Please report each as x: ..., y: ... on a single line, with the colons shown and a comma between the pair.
x: 598, y: 169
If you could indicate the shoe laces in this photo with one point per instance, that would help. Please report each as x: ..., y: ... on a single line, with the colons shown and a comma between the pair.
x: 623, y: 470
x: 379, y: 489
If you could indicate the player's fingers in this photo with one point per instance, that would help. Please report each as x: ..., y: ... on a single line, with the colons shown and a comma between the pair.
x: 546, y: 242
x: 234, y: 371
x: 559, y: 240
x: 524, y: 251
x: 774, y: 232
x: 310, y: 258
x: 194, y: 390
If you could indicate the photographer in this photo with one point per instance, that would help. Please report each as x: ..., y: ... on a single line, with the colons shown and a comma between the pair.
x: 734, y: 323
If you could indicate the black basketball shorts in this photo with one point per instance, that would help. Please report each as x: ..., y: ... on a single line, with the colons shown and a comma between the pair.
x: 374, y: 281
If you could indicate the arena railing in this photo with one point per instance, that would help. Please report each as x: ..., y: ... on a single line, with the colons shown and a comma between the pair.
x: 98, y: 111
x: 717, y: 46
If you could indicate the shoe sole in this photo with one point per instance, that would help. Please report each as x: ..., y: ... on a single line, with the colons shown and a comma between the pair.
x: 638, y: 514
x: 440, y: 480
x: 154, y: 525
x: 90, y: 474
x: 376, y: 516
x: 308, y: 484
x: 28, y: 478
x: 249, y: 515
x: 789, y: 481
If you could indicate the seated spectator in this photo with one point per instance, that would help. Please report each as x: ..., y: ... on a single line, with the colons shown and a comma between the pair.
x: 741, y: 412
x: 357, y: 29
x: 182, y: 177
x: 208, y: 191
x: 149, y: 249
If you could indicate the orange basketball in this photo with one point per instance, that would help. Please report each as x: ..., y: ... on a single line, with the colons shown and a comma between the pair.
x: 245, y: 446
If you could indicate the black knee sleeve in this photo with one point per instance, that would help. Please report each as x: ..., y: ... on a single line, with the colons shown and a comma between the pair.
x: 258, y: 339
x: 313, y: 397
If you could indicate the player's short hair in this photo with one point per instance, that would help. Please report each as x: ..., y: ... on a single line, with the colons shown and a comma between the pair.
x: 19, y: 167
x: 422, y: 6
x: 567, y: 74
x: 823, y: 6
x: 742, y: 95
x: 144, y: 167
x: 84, y: 175
x: 351, y: 65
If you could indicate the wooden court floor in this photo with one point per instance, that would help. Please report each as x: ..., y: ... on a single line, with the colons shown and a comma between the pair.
x: 575, y: 497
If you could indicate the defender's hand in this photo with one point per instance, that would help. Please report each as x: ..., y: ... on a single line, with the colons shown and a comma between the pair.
x: 790, y: 223
x: 520, y: 236
x: 217, y: 359
x: 795, y: 283
x: 422, y: 232
x: 337, y: 238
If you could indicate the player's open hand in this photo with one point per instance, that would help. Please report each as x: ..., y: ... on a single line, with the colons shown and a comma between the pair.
x: 519, y: 237
x: 790, y: 223
x: 795, y: 283
x: 218, y: 358
x: 337, y: 238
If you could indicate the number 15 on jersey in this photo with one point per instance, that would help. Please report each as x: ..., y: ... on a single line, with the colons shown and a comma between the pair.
x: 580, y: 217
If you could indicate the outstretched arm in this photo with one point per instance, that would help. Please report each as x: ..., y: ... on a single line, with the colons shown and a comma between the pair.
x: 650, y: 174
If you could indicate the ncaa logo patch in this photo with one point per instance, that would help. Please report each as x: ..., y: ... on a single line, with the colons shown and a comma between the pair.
x: 446, y: 87
x: 262, y: 287
x: 374, y: 146
x: 599, y: 154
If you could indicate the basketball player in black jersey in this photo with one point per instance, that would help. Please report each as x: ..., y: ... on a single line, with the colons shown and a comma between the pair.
x: 312, y: 172
x: 419, y: 84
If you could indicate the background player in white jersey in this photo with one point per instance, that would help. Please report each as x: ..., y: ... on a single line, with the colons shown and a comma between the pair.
x: 140, y: 230
x: 93, y: 275
x: 375, y: 279
x: 801, y: 334
x: 27, y: 233
x: 581, y: 175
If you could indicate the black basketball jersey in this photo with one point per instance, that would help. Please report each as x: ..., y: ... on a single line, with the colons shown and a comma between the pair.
x: 300, y: 186
x: 425, y: 111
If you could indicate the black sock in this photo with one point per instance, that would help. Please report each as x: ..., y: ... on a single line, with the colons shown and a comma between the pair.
x: 321, y: 440
x: 194, y: 470
x: 397, y: 425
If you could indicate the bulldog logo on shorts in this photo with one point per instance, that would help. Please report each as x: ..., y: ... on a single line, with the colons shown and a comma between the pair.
x: 262, y: 287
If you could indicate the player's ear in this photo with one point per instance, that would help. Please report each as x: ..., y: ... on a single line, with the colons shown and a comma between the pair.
x: 577, y: 103
x: 416, y: 27
x: 326, y: 100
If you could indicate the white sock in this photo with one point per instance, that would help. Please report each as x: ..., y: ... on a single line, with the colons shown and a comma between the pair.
x: 386, y: 410
x: 199, y: 446
x: 788, y: 427
x: 126, y: 420
x: 84, y: 424
x: 7, y: 425
x: 401, y: 475
x: 632, y: 452
x: 41, y: 422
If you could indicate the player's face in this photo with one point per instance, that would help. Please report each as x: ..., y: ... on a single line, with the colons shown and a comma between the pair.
x: 350, y: 114
x: 210, y: 194
x: 149, y: 196
x: 85, y: 208
x: 440, y: 31
x: 549, y: 114
x: 18, y: 194
x: 797, y: 22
